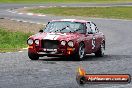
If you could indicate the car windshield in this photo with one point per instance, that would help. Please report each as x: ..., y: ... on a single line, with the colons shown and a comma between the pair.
x: 65, y: 27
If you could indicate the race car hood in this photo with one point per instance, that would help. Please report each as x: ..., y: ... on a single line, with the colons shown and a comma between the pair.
x: 56, y: 36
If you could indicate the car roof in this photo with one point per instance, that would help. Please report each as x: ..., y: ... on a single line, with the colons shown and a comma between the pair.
x: 72, y: 20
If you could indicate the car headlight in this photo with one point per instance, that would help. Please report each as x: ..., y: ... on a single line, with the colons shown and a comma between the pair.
x: 70, y: 43
x: 37, y: 42
x: 63, y: 43
x: 29, y: 41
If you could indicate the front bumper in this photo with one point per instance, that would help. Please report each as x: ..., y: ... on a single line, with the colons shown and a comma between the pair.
x: 52, y: 52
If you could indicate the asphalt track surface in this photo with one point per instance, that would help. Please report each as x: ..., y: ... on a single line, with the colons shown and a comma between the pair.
x: 18, y: 71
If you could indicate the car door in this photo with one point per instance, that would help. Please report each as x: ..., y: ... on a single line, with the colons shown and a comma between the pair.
x: 89, y: 37
x: 96, y: 37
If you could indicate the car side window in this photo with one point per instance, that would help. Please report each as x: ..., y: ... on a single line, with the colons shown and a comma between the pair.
x: 96, y: 28
x: 82, y: 28
x: 93, y: 28
x: 89, y: 30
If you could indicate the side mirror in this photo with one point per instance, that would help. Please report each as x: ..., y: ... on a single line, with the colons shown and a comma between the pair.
x: 41, y: 30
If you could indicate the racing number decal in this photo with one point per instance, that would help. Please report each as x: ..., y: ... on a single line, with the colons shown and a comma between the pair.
x: 93, y: 42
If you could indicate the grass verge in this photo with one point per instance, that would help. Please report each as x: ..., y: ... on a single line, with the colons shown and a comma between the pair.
x: 62, y: 1
x: 12, y: 41
x: 99, y: 12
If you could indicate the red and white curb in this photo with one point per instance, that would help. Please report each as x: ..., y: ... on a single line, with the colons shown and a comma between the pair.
x: 27, y: 21
x: 31, y: 14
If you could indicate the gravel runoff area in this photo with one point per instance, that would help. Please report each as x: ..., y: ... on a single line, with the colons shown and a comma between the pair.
x: 14, y: 26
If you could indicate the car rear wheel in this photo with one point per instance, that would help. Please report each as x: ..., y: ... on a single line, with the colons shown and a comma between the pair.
x: 80, y: 53
x: 101, y: 50
x: 33, y: 56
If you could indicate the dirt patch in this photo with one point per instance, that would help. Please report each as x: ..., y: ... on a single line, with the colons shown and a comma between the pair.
x: 13, y: 25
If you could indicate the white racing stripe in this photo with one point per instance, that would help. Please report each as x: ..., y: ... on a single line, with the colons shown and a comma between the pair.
x: 56, y: 37
x: 49, y: 36
x: 52, y: 36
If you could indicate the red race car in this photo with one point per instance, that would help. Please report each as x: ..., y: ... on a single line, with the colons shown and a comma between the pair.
x: 68, y: 38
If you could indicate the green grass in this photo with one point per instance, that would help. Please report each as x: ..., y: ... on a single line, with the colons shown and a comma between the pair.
x: 62, y: 1
x: 12, y: 41
x: 98, y: 12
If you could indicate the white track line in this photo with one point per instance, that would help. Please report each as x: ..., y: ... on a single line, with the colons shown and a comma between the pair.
x: 25, y: 7
x: 29, y: 13
x: 20, y: 51
x: 25, y: 21
x: 63, y: 6
x: 20, y: 13
x: 41, y: 6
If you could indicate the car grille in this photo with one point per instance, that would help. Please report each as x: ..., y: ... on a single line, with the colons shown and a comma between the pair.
x: 49, y: 44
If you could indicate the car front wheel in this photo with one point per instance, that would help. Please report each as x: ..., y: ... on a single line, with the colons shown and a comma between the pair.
x: 33, y: 56
x: 80, y: 53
